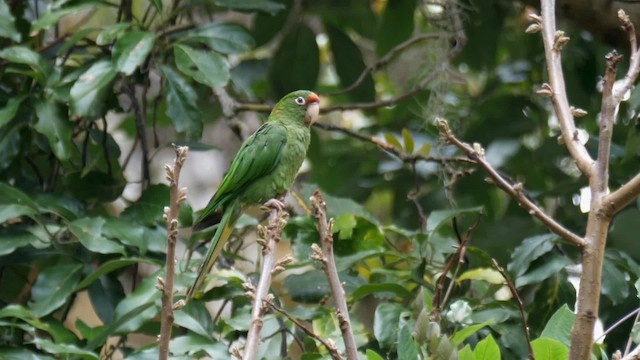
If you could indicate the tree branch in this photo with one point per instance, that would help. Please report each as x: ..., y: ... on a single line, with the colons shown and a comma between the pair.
x: 553, y: 41
x: 269, y: 237
x: 326, y: 258
x: 476, y: 153
x: 625, y: 195
x: 634, y: 62
x: 176, y: 196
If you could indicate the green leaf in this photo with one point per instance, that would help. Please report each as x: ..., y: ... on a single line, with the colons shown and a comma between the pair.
x: 7, y: 23
x: 307, y: 287
x: 372, y: 355
x: 13, y: 211
x: 549, y: 267
x: 158, y: 4
x: 559, y: 326
x: 462, y: 334
x: 391, y: 288
x: 8, y: 112
x: 267, y: 6
x: 637, y: 286
x: 66, y: 349
x: 487, y: 349
x: 52, y: 16
x: 56, y: 127
x: 88, y: 93
x: 11, y: 353
x: 397, y: 25
x: 111, y: 32
x: 149, y: 208
x: 391, y: 139
x: 206, y: 67
x: 193, y: 343
x: 26, y: 56
x: 296, y: 63
x: 529, y: 250
x: 349, y: 65
x: 408, y: 141
x: 14, y: 239
x: 11, y: 194
x: 425, y: 149
x: 112, y: 266
x: 131, y: 50
x: 343, y: 225
x: 120, y: 321
x: 10, y: 139
x: 384, y: 323
x: 146, y: 293
x: 407, y: 346
x: 182, y: 107
x: 614, y: 283
x: 89, y: 232
x: 549, y: 349
x: 223, y: 38
x: 126, y: 232
x: 196, y: 318
x: 439, y: 218
x: 53, y: 287
x: 489, y: 275
x: 94, y: 186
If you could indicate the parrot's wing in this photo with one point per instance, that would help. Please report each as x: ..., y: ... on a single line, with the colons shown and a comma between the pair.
x: 257, y: 157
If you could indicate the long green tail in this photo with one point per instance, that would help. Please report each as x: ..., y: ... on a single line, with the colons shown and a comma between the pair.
x: 225, y: 227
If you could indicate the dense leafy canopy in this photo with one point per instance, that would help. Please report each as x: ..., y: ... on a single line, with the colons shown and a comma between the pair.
x: 85, y: 85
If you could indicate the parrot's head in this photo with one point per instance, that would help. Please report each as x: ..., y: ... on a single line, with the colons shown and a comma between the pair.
x: 301, y: 104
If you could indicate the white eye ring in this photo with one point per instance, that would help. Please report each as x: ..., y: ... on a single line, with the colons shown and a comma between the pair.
x: 300, y: 100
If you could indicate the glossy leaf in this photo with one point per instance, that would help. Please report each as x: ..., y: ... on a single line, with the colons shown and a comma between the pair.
x: 111, y: 32
x: 26, y: 56
x: 349, y: 65
x: 11, y: 240
x: 89, y: 92
x: 149, y: 208
x: 208, y: 68
x: 56, y: 127
x: 182, y: 107
x: 111, y: 266
x: 559, y: 326
x: 549, y: 349
x: 462, y: 334
x: 549, y: 266
x: 89, y: 232
x: 384, y: 328
x: 49, y: 18
x: 407, y: 346
x: 487, y: 349
x: 296, y: 63
x: 223, y: 38
x: 8, y: 112
x: 614, y: 283
x: 131, y: 50
x: 466, y: 353
x: 137, y: 303
x: 10, y: 138
x: 94, y: 186
x: 484, y: 274
x: 53, y: 287
x: 7, y: 23
x: 529, y: 250
x: 66, y: 349
x: 268, y: 6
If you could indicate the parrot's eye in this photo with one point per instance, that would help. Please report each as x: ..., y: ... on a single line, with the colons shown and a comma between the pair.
x: 300, y: 100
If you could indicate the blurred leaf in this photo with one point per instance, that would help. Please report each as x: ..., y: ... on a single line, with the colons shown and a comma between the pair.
x: 268, y: 6
x: 138, y: 307
x: 388, y: 288
x: 11, y: 240
x: 182, y: 107
x: 439, y: 218
x: 407, y: 346
x: 296, y: 63
x: 8, y: 112
x: 307, y: 287
x: 192, y: 343
x: 484, y: 274
x: 549, y: 266
x: 396, y: 26
x: 484, y: 32
x: 9, y: 353
x: 126, y: 232
x: 11, y: 194
x: 196, y: 318
x: 110, y: 266
x: 87, y: 96
x: 26, y: 56
x: 462, y: 334
x: 391, y: 139
x: 110, y: 32
x: 158, y: 4
x: 223, y: 38
x: 349, y: 65
x: 52, y: 16
x: 14, y: 211
x: 10, y: 138
x: 487, y: 349
x: 94, y: 186
x: 67, y: 349
x: 7, y: 26
x: 131, y: 50
x: 549, y: 349
x: 529, y: 250
x: 384, y: 328
x: 55, y: 127
x: 372, y: 355
x: 149, y: 208
x: 53, y: 287
x: 343, y: 225
x: 408, y: 141
x: 466, y: 353
x: 425, y: 149
x: 89, y: 232
x: 559, y: 325
x: 614, y: 282
x: 206, y: 67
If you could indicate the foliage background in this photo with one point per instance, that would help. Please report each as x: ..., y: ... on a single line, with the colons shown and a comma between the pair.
x: 92, y: 93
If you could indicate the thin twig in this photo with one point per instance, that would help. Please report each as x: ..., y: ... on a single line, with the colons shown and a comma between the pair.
x: 634, y: 62
x: 329, y: 344
x: 553, y: 41
x: 176, y: 196
x: 634, y: 355
x: 616, y: 324
x: 269, y: 237
x: 140, y: 120
x: 326, y: 257
x: 516, y: 191
x: 515, y: 294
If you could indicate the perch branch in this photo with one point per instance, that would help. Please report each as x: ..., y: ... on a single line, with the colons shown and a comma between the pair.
x: 515, y: 294
x: 326, y: 257
x: 476, y: 153
x: 622, y: 197
x: 329, y: 344
x: 269, y: 237
x: 553, y: 41
x: 176, y: 196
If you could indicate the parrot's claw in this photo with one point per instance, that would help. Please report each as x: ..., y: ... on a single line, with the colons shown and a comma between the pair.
x: 274, y: 204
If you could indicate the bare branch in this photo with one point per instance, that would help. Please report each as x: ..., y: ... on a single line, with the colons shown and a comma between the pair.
x: 176, y: 196
x: 270, y: 236
x: 516, y: 295
x: 552, y: 44
x: 634, y: 355
x: 326, y: 257
x: 330, y: 345
x: 634, y: 62
x: 619, y: 199
x: 516, y: 191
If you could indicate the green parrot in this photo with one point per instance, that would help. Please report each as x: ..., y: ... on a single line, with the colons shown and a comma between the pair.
x: 264, y: 168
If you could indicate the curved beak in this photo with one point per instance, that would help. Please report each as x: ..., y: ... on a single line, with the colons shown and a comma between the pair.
x: 313, y: 108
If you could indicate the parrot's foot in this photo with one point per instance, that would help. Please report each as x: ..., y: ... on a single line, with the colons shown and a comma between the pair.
x: 274, y: 204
